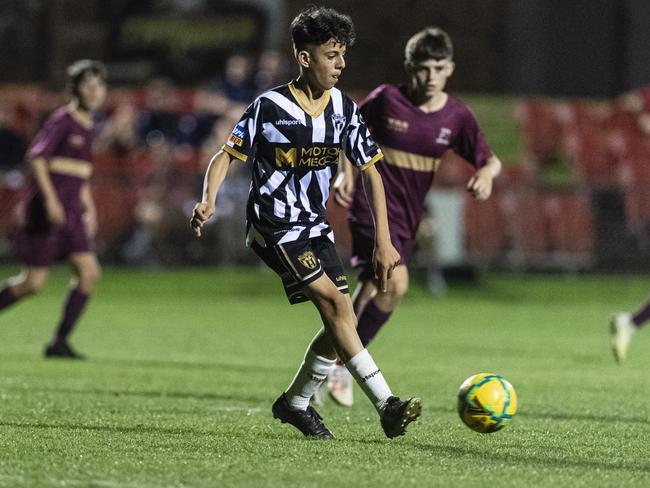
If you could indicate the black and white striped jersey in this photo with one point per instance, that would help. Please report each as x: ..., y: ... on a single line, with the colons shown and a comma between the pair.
x: 295, y: 153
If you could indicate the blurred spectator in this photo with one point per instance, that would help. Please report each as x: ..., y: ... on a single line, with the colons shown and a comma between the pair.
x: 272, y: 70
x: 236, y: 84
x: 12, y: 147
x: 160, y: 120
x: 120, y: 132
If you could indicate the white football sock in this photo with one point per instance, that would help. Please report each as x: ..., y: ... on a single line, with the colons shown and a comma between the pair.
x: 310, y: 376
x: 369, y: 377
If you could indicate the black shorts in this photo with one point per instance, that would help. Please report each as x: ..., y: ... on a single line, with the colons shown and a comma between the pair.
x: 301, y: 262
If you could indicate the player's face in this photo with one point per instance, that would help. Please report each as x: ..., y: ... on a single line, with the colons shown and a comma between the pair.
x: 429, y: 78
x: 326, y: 63
x: 92, y: 92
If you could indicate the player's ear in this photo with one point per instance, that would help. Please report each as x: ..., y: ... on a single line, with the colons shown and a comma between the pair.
x: 450, y: 68
x: 303, y: 58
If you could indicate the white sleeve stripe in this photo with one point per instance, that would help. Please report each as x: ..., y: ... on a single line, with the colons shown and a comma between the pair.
x: 272, y: 134
x: 287, y: 105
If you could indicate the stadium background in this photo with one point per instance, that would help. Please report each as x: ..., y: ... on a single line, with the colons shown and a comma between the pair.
x: 569, y: 115
x: 185, y: 360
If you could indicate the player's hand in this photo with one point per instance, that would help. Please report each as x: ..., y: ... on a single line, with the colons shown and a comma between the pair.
x: 90, y: 224
x: 385, y: 259
x: 202, y: 212
x: 343, y: 189
x: 55, y: 211
x: 480, y: 185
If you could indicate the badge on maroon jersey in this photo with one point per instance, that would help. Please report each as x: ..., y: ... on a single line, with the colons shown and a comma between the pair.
x: 443, y: 137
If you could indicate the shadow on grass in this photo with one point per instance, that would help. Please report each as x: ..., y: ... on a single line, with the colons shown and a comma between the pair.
x: 153, y: 363
x: 153, y: 394
x: 608, y: 418
x: 147, y: 429
x: 245, y: 433
x: 517, y: 458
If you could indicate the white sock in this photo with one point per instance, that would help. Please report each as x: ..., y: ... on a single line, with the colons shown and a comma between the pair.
x: 369, y: 378
x: 313, y: 371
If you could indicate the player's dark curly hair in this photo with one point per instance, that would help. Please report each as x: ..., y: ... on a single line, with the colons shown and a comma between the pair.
x: 78, y: 70
x: 317, y: 25
x: 429, y: 43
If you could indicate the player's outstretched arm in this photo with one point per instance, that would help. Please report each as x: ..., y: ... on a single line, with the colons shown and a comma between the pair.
x: 53, y: 207
x: 214, y: 177
x: 385, y: 257
x: 480, y: 185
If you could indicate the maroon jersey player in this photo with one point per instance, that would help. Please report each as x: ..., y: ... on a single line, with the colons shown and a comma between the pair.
x: 60, y: 217
x: 414, y: 124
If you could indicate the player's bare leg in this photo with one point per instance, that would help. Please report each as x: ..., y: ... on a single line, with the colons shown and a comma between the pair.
x: 87, y: 273
x: 339, y: 338
x: 27, y: 283
x: 372, y: 309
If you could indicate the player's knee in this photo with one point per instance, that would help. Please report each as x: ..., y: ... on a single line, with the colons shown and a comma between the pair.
x: 335, y: 307
x: 401, y: 287
x: 31, y: 286
x: 396, y: 291
x: 88, y: 277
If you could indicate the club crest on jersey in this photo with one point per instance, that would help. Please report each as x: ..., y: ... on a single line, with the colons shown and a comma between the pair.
x: 338, y: 121
x: 76, y: 140
x: 308, y: 260
x: 443, y: 137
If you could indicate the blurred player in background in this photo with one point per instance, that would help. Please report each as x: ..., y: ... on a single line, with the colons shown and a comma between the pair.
x: 60, y: 217
x: 623, y: 326
x: 414, y: 124
x: 294, y: 134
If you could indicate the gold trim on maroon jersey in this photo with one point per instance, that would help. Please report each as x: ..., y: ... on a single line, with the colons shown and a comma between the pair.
x: 408, y: 160
x: 70, y: 167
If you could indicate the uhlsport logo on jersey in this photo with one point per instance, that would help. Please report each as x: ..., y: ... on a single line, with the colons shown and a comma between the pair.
x: 308, y: 157
x: 308, y: 260
x: 443, y: 137
x: 237, y: 135
x: 338, y: 121
x: 287, y: 122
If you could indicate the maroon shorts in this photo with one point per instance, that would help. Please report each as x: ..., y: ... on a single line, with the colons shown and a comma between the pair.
x: 363, y: 245
x: 42, y: 243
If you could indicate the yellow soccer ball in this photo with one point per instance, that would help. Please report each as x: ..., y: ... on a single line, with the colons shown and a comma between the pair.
x: 486, y: 402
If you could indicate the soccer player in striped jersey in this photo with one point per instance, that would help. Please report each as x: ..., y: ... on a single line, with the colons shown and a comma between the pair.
x: 414, y: 124
x: 61, y: 220
x: 294, y: 134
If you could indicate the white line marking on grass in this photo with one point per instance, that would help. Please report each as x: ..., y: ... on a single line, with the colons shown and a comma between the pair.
x: 105, y: 484
x: 232, y: 408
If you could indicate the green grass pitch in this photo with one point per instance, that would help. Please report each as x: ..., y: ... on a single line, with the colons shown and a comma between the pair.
x: 184, y: 366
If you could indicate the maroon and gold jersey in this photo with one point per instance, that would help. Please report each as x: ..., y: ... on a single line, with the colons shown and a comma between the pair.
x: 413, y: 143
x: 65, y: 143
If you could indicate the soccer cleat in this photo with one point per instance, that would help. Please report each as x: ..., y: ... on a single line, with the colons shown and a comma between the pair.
x: 621, y: 330
x: 61, y: 349
x: 339, y: 385
x: 398, y: 414
x: 306, y: 421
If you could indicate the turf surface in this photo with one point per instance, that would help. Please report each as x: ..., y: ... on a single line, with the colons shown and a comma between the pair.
x: 184, y: 366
